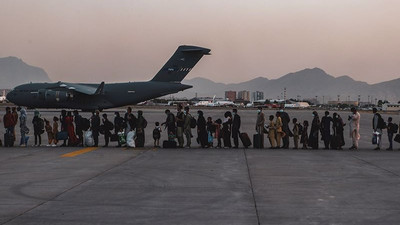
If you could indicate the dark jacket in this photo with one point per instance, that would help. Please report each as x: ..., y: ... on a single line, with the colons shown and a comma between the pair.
x: 236, y: 123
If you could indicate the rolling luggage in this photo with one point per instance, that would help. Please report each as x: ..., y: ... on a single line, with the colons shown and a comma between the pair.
x: 62, y: 136
x: 8, y: 139
x: 257, y: 140
x: 169, y: 144
x: 397, y: 138
x: 244, y: 137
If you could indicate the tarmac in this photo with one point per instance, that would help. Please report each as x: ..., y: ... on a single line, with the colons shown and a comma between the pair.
x: 44, y: 185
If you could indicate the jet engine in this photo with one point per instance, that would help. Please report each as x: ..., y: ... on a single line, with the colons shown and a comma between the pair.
x: 55, y: 96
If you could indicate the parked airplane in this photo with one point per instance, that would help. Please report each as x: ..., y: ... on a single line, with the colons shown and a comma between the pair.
x: 3, y: 97
x: 103, y: 96
x: 220, y: 103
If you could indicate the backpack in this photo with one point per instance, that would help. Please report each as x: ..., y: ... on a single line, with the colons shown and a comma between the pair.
x: 41, y: 124
x: 144, y: 123
x: 381, y: 122
x: 193, y: 122
x: 85, y: 124
x: 108, y: 125
x: 156, y: 133
x: 395, y: 128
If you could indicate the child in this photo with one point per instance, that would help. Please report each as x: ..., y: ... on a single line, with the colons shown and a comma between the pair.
x: 55, y: 131
x: 272, y: 132
x: 296, y: 133
x: 210, y: 131
x: 157, y: 135
x: 218, y: 133
x: 49, y: 131
x: 304, y: 135
x: 391, y: 129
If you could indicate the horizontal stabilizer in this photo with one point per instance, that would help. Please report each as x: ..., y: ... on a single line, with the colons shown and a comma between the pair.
x: 180, y: 64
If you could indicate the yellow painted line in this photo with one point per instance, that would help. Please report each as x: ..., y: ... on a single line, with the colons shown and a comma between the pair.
x: 79, y: 152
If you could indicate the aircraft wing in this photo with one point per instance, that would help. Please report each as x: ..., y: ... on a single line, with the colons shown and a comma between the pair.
x: 83, y: 88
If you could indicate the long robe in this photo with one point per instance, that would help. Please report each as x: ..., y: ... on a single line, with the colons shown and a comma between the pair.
x: 314, y: 133
x: 72, y: 139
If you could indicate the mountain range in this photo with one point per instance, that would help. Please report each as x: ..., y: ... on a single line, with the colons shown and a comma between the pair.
x: 14, y: 71
x: 304, y: 84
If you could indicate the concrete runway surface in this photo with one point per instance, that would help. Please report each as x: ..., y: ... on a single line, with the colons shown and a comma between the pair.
x: 41, y: 185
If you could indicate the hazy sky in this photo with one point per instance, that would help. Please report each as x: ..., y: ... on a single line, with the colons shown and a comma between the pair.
x: 96, y: 40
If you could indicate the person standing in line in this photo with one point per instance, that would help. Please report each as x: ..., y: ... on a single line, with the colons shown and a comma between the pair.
x: 304, y: 135
x: 38, y: 128
x: 157, y: 135
x: 108, y: 127
x: 272, y: 132
x: 201, y: 130
x: 326, y: 129
x: 78, y: 127
x: 296, y: 133
x: 354, y: 128
x: 55, y: 131
x: 126, y: 120
x: 218, y: 132
x: 72, y: 140
x: 140, y: 127
x: 49, y: 131
x: 95, y: 125
x: 180, y: 116
x: 236, y: 128
x: 15, y: 115
x: 119, y: 125
x: 187, y: 129
x: 64, y: 126
x: 391, y: 129
x: 338, y: 128
x: 285, y: 129
x: 278, y: 129
x: 378, y: 124
x: 314, y: 132
x: 170, y: 125
x: 211, y: 129
x: 9, y: 123
x: 227, y: 129
x: 260, y: 125
x: 24, y: 130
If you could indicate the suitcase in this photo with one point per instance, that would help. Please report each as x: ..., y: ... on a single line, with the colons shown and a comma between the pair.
x: 244, y: 137
x: 257, y: 140
x: 397, y: 138
x: 169, y: 144
x: 62, y: 136
x: 8, y: 139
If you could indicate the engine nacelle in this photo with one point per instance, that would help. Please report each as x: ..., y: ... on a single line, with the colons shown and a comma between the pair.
x: 55, y: 96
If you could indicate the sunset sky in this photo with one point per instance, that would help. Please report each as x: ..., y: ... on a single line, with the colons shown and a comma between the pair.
x: 114, y: 41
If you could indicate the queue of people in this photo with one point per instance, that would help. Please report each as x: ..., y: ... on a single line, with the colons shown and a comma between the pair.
x: 130, y: 129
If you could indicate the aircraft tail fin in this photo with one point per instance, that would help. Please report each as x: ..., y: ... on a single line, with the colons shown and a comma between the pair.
x: 180, y: 64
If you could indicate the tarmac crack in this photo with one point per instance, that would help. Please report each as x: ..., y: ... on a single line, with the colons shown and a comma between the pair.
x: 252, y: 188
x: 73, y: 187
x: 374, y: 165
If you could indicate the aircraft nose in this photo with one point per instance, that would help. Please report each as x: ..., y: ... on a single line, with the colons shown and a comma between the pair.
x: 10, y: 96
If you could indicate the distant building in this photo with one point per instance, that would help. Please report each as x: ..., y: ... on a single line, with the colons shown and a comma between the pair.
x: 353, y: 103
x: 244, y: 95
x: 391, y: 107
x: 230, y: 95
x: 257, y: 95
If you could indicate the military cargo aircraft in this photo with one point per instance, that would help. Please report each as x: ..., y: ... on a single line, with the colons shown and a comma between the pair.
x: 89, y: 97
